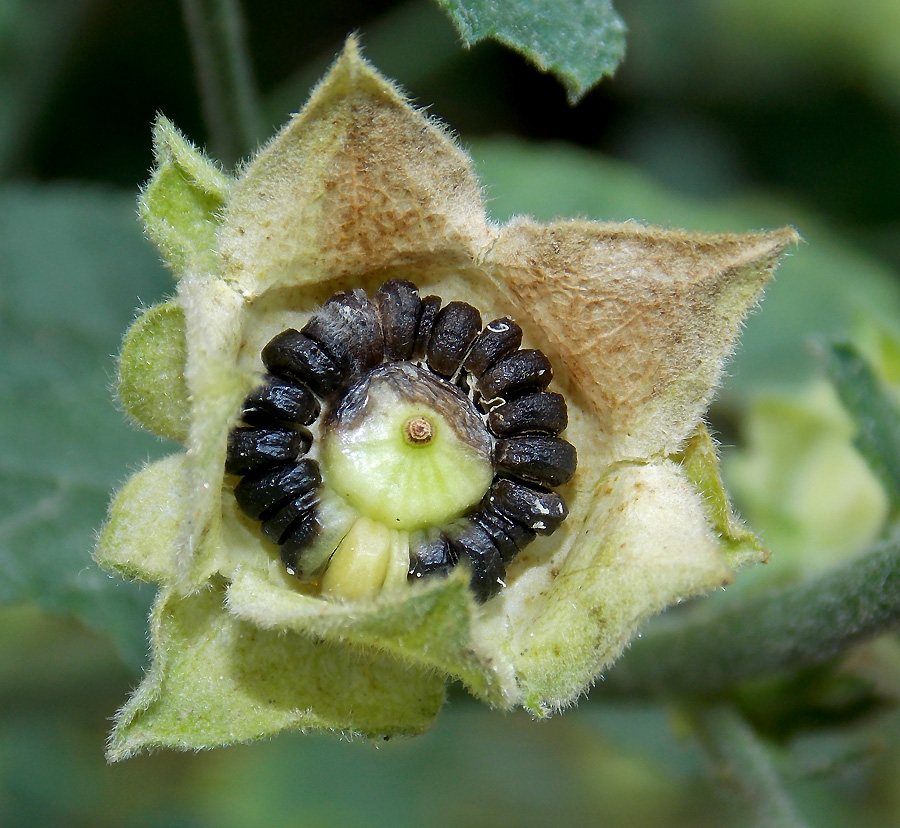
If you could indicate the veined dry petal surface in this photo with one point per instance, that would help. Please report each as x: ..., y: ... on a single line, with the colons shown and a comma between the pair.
x: 636, y: 322
x: 357, y: 182
x: 643, y: 317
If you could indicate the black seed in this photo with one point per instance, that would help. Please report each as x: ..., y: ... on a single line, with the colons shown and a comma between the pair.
x: 455, y: 327
x: 294, y: 355
x: 516, y: 374
x: 540, y: 511
x: 349, y: 336
x: 475, y: 544
x: 259, y: 495
x: 296, y: 511
x: 299, y: 537
x: 399, y: 307
x: 544, y: 413
x: 434, y: 557
x: 256, y: 449
x: 509, y: 536
x: 498, y: 339
x: 280, y: 401
x: 430, y: 307
x: 349, y: 329
x: 547, y: 460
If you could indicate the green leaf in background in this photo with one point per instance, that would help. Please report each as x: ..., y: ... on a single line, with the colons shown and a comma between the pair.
x: 800, y: 480
x: 72, y: 266
x: 875, y: 412
x: 758, y: 46
x: 579, y: 41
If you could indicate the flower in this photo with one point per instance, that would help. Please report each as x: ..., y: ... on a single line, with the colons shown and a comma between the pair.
x: 359, y: 188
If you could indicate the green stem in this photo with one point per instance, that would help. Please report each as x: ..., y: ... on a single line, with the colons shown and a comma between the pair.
x: 743, y: 764
x: 779, y: 632
x: 224, y: 77
x: 58, y: 30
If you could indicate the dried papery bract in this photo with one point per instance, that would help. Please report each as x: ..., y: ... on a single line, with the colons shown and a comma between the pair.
x: 635, y: 321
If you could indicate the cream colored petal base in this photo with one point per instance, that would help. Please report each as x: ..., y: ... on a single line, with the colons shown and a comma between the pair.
x: 646, y: 546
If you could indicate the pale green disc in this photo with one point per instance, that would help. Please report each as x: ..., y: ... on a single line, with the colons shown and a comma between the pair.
x: 407, y: 449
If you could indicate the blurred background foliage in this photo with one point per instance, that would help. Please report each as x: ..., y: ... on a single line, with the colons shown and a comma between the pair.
x: 726, y: 115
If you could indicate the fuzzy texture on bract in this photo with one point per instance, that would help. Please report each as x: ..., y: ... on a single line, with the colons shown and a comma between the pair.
x: 356, y: 189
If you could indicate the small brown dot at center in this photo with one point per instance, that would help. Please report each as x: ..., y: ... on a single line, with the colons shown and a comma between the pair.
x: 418, y: 431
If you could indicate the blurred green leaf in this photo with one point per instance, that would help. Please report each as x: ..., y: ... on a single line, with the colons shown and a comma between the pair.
x: 579, y: 41
x: 875, y: 412
x: 764, y: 49
x: 799, y: 480
x: 822, y: 289
x: 73, y: 265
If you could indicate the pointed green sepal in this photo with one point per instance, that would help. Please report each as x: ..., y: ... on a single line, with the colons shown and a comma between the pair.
x: 181, y: 204
x: 700, y: 461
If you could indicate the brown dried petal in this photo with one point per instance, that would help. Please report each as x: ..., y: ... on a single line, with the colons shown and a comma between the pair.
x: 358, y: 181
x: 643, y: 318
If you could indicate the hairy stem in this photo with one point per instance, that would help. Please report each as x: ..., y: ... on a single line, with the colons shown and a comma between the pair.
x: 224, y: 77
x: 742, y: 763
x: 779, y: 632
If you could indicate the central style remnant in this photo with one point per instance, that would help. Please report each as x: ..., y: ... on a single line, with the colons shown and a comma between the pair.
x: 436, y: 441
x: 418, y: 431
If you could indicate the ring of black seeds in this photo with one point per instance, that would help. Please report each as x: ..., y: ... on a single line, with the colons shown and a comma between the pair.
x: 348, y: 337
